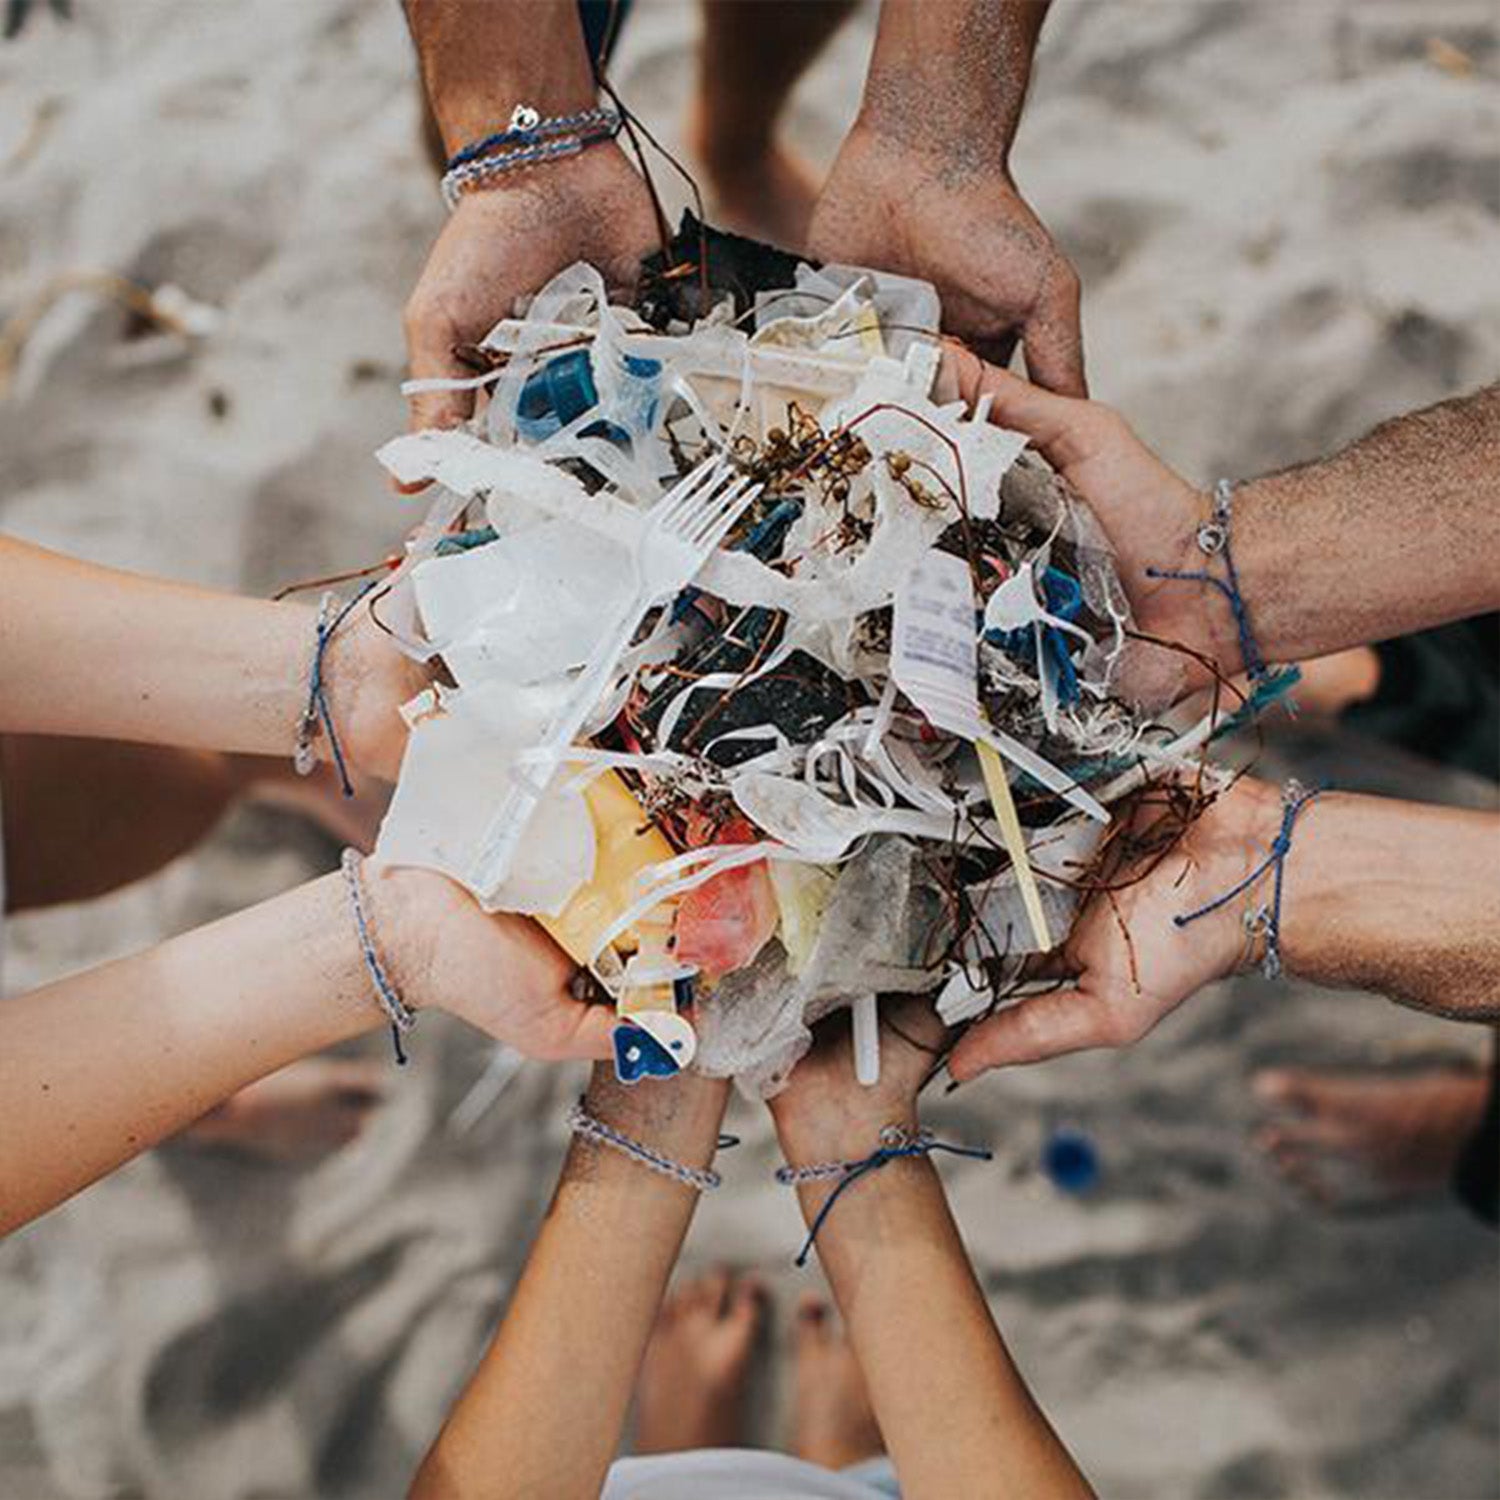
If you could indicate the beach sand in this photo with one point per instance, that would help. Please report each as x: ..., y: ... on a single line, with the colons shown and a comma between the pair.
x: 1287, y: 219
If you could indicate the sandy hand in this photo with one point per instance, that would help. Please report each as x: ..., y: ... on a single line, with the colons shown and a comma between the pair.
x: 996, y: 269
x: 507, y: 241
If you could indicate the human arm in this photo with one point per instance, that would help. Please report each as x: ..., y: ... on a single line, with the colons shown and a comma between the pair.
x: 101, y: 1066
x: 955, y: 1414
x: 97, y: 653
x: 542, y: 1415
x: 1396, y: 897
x: 479, y: 59
x: 923, y: 184
x: 1395, y: 533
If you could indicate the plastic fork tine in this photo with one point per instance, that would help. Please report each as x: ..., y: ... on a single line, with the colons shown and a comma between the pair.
x: 685, y: 495
x: 684, y: 519
x: 739, y: 500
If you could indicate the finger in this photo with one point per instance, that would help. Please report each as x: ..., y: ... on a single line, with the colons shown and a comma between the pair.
x: 1064, y: 429
x: 1036, y: 1029
x: 1053, y: 336
x: 587, y: 1032
x: 430, y: 341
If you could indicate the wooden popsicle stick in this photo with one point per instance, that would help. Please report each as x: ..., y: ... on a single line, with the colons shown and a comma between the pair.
x: 997, y: 784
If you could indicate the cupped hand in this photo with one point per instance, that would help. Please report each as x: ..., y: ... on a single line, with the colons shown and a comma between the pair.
x: 368, y: 677
x: 824, y: 1107
x: 501, y: 973
x: 507, y: 241
x: 971, y: 234
x: 1125, y: 963
x: 1148, y: 511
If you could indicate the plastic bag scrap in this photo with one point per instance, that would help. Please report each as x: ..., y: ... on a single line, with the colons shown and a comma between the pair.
x: 775, y: 805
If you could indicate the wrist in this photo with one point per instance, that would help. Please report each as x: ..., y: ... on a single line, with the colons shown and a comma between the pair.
x: 1238, y: 833
x: 477, y: 65
x: 939, y: 157
x: 405, y: 910
x: 814, y: 1132
x: 680, y: 1116
x: 367, y: 678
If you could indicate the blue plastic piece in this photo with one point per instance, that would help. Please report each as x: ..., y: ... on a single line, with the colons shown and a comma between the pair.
x: 1071, y: 1161
x: 639, y: 1055
x: 1064, y: 599
x: 558, y: 393
x: 564, y: 389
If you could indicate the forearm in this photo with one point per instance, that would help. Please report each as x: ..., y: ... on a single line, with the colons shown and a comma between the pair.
x: 949, y: 77
x: 481, y: 58
x: 955, y: 1414
x: 97, y: 653
x: 90, y: 651
x: 1398, y: 532
x: 548, y: 1403
x: 101, y: 1066
x: 1396, y: 897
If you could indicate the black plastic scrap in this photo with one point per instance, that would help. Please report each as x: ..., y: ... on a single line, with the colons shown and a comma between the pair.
x: 672, y: 283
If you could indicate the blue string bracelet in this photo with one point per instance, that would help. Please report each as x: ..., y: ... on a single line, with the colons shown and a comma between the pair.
x: 401, y: 1016
x: 527, y: 124
x: 1264, y: 921
x: 1213, y: 541
x: 590, y: 1128
x: 317, y: 716
x: 896, y: 1143
x: 534, y: 150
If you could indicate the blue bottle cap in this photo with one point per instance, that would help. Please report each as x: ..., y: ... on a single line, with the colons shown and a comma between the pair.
x: 1071, y: 1161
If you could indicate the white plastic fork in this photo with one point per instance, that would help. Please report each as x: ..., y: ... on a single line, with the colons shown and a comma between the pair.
x: 677, y: 537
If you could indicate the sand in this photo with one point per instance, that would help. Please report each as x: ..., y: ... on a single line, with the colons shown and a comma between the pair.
x: 1287, y: 218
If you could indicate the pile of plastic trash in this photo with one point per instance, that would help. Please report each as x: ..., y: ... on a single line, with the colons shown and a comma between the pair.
x: 777, y: 685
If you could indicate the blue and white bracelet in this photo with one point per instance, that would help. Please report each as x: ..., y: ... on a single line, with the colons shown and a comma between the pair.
x: 400, y: 1015
x: 528, y: 141
x: 582, y: 1123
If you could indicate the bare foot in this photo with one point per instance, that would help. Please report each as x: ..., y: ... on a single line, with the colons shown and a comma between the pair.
x: 691, y: 1390
x: 308, y: 1109
x: 1347, y: 1138
x: 764, y: 191
x: 833, y: 1422
x: 1331, y: 684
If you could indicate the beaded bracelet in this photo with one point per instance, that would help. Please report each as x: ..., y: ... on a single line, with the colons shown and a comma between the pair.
x: 1213, y: 541
x: 401, y: 1016
x: 896, y: 1142
x: 528, y: 125
x: 317, y: 716
x: 582, y: 1123
x: 1264, y: 921
x: 550, y: 140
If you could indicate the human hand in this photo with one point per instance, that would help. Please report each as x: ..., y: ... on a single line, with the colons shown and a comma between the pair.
x: 971, y: 234
x: 367, y: 679
x: 825, y: 1112
x: 679, y: 1116
x: 507, y: 241
x: 1149, y: 512
x: 1125, y: 962
x: 501, y: 973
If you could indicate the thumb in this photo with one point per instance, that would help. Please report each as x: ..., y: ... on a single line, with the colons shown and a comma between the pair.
x: 1064, y: 429
x: 587, y: 1031
x: 430, y: 341
x: 1053, y: 337
x: 1034, y: 1030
